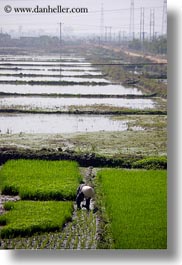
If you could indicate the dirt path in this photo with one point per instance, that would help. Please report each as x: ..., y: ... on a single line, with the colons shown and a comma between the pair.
x: 7, y: 198
x: 152, y: 58
x: 80, y: 233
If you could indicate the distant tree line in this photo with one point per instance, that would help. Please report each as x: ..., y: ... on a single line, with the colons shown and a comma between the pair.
x: 43, y: 41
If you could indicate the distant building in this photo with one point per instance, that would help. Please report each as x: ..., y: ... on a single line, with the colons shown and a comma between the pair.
x: 5, y: 39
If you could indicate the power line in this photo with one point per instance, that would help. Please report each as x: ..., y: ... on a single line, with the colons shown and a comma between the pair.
x: 125, y: 9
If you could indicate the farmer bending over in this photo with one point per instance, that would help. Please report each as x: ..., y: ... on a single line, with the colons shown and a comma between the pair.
x: 84, y: 192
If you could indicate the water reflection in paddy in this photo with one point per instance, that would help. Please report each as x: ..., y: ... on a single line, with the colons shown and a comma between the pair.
x: 44, y: 58
x: 61, y: 78
x: 64, y: 67
x: 63, y: 103
x: 44, y: 123
x: 48, y: 71
x: 68, y: 89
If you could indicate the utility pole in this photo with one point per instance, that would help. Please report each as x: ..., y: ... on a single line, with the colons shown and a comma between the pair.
x: 119, y: 37
x: 106, y: 34
x: 60, y: 35
x: 153, y: 24
x: 110, y: 34
x: 142, y: 26
x: 141, y: 22
x: 60, y: 46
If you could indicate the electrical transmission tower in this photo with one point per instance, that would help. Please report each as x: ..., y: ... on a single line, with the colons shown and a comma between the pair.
x: 102, y: 23
x: 132, y: 17
x: 60, y: 33
x: 152, y: 24
x: 142, y: 24
x: 164, y: 18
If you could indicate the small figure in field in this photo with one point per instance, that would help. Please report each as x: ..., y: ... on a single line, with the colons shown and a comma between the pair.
x: 84, y: 192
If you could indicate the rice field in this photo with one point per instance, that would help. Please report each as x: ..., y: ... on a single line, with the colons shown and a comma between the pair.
x: 48, y: 225
x: 134, y: 200
x: 136, y: 204
x: 24, y: 218
x: 40, y: 180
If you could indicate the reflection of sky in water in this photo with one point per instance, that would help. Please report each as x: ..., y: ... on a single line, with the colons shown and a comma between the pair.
x: 64, y: 66
x: 44, y: 63
x: 48, y: 72
x: 60, y: 103
x: 68, y: 89
x: 39, y: 78
x: 40, y: 58
x: 44, y: 123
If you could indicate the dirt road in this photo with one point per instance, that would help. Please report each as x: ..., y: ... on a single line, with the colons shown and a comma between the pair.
x: 152, y: 58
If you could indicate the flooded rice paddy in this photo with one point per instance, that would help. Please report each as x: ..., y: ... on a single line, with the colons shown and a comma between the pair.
x: 70, y: 89
x: 46, y: 123
x: 68, y: 69
x: 63, y: 103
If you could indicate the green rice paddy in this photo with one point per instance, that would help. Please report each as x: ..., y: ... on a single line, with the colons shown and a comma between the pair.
x: 136, y: 204
x: 25, y: 218
x: 40, y: 180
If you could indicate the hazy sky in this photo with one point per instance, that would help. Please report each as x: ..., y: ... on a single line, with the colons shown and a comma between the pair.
x: 116, y: 15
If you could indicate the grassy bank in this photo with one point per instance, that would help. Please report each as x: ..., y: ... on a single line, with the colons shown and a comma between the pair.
x: 135, y: 202
x: 128, y: 74
x: 84, y: 159
x: 6, y: 94
x: 88, y: 109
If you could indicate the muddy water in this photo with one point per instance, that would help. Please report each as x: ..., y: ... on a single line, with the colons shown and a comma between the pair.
x: 46, y: 123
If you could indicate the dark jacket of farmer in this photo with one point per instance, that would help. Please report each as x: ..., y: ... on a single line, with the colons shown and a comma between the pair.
x: 84, y: 192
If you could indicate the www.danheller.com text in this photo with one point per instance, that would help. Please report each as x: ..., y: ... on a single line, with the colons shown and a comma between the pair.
x: 48, y: 9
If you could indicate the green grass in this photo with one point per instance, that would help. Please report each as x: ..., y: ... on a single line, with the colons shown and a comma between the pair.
x: 136, y: 204
x: 25, y: 218
x: 40, y: 180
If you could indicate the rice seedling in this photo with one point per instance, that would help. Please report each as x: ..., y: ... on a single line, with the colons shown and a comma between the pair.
x: 136, y: 204
x: 24, y: 218
x: 40, y: 180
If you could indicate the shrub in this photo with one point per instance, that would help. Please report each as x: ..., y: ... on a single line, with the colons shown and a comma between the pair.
x: 151, y: 163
